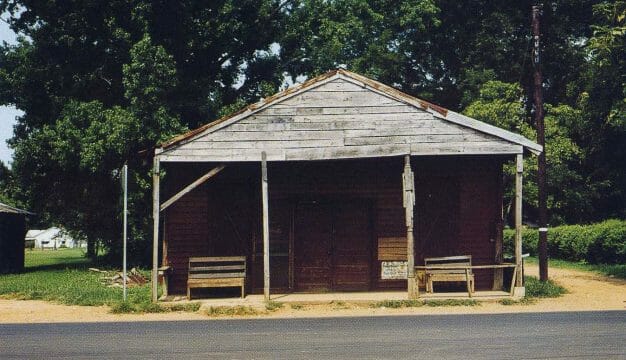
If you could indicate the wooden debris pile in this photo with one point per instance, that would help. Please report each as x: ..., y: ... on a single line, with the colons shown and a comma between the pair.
x: 116, y: 278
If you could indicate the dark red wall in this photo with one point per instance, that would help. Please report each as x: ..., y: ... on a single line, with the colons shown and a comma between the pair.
x: 459, y: 202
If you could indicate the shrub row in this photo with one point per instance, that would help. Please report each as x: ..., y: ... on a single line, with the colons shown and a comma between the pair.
x: 601, y: 243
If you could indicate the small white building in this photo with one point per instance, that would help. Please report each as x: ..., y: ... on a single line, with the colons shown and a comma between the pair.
x: 52, y: 238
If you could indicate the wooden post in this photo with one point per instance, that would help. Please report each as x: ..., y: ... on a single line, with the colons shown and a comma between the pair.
x: 156, y: 177
x: 408, y: 186
x: 518, y: 218
x: 266, y: 228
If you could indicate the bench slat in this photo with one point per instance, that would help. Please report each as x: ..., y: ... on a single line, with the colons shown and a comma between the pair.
x: 219, y: 267
x: 449, y: 258
x: 217, y: 276
x: 217, y: 258
x: 429, y: 271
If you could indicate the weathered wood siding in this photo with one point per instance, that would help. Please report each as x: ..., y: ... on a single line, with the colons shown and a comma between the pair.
x: 337, y: 120
x: 458, y: 203
x: 214, y: 219
x: 12, y: 233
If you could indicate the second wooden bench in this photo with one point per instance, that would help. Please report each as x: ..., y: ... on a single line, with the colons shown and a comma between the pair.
x: 450, y: 268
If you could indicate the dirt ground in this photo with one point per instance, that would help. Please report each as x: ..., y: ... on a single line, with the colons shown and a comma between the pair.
x: 586, y: 292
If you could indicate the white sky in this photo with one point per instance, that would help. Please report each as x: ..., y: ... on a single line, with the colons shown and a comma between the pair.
x: 7, y: 114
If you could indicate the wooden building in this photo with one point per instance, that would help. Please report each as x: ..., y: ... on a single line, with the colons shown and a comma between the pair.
x: 12, y: 232
x: 338, y: 184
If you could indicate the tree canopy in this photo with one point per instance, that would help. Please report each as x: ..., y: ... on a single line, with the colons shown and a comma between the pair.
x: 101, y: 83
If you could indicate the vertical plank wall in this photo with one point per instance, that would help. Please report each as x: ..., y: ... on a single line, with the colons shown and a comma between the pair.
x: 222, y: 217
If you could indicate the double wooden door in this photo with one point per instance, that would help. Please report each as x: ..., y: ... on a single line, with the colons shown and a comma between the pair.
x: 332, y: 243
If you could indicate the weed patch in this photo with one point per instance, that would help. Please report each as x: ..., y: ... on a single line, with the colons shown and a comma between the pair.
x: 396, y: 304
x: 541, y: 289
x: 186, y: 307
x: 215, y: 311
x: 451, y: 302
x: 339, y: 305
x: 522, y: 301
x: 273, y: 305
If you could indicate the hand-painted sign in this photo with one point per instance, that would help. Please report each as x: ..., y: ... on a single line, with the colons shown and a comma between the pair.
x: 390, y: 270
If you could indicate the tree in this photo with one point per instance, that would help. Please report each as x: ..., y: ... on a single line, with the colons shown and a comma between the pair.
x: 387, y: 41
x: 101, y: 83
x: 604, y: 99
x: 570, y: 196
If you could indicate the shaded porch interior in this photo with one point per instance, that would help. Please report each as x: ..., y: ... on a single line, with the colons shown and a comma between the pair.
x: 335, y: 224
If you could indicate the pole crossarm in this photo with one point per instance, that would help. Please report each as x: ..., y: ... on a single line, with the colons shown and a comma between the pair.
x: 192, y: 186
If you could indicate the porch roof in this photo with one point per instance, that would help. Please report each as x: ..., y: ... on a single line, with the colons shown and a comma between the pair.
x: 341, y: 115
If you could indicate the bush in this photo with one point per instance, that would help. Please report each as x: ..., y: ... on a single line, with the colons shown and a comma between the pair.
x: 542, y: 289
x: 601, y: 243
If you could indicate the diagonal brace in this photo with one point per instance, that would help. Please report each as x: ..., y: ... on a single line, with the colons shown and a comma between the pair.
x: 192, y: 186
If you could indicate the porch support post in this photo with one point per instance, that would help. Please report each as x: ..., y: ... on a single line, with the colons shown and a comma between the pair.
x: 266, y: 229
x: 518, y: 219
x: 156, y: 178
x: 408, y: 186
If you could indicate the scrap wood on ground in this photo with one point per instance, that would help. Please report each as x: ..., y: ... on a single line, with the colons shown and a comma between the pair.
x: 133, y: 278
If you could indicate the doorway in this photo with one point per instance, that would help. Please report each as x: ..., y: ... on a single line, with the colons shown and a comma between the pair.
x: 333, y: 246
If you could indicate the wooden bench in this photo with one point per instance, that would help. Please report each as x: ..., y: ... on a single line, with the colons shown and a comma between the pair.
x: 451, y: 268
x: 225, y: 271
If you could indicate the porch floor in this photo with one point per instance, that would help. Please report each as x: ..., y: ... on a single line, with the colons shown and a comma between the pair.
x: 256, y: 300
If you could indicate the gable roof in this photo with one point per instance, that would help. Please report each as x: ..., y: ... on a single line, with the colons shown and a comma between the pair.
x: 367, y: 86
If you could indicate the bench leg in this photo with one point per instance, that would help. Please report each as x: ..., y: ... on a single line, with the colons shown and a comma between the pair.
x: 243, y: 290
x: 468, y: 281
x: 188, y: 293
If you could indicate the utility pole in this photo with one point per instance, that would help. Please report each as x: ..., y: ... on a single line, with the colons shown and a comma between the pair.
x: 125, y: 223
x: 541, y: 168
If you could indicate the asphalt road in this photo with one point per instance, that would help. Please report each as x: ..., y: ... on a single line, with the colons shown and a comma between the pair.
x: 584, y: 335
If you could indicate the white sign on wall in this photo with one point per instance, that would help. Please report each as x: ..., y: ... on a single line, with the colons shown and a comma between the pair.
x: 390, y: 270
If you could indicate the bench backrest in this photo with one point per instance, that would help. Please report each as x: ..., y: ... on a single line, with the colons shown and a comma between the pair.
x: 217, y: 267
x: 442, y: 264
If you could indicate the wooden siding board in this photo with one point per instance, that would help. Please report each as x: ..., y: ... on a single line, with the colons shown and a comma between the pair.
x: 337, y: 120
x: 340, y: 92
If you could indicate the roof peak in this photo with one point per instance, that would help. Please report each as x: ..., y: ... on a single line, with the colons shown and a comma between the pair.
x: 366, y: 82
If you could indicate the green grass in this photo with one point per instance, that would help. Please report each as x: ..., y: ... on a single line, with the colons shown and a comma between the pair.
x: 540, y: 289
x: 396, y: 304
x: 62, y: 276
x: 54, y: 259
x: 615, y: 270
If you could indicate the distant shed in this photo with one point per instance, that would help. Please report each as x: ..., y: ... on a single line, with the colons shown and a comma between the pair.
x: 12, y: 232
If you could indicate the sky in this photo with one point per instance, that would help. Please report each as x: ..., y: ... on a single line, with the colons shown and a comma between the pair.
x: 7, y: 114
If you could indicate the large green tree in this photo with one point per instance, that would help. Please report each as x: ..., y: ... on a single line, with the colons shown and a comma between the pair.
x: 101, y: 83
